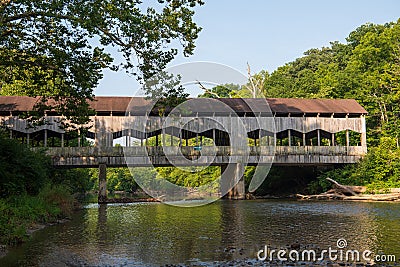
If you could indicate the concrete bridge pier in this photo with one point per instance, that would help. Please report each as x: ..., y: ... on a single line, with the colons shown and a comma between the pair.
x: 102, y: 196
x: 230, y: 174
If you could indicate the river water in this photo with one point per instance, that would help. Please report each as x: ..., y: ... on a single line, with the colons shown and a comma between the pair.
x: 154, y: 234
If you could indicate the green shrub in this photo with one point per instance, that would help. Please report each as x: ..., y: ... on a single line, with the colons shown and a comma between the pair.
x: 18, y: 213
x: 21, y: 170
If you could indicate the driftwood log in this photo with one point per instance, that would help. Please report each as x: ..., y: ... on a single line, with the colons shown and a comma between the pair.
x: 346, y: 192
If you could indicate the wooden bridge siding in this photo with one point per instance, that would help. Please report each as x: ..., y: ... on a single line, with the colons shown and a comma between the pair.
x: 113, y: 124
x: 271, y: 124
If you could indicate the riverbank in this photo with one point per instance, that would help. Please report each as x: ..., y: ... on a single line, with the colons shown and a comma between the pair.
x: 393, y: 197
x: 22, y: 215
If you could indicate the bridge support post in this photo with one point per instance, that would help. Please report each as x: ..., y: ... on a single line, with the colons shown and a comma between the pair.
x: 45, y: 138
x: 230, y: 174
x: 363, y: 132
x: 102, y: 196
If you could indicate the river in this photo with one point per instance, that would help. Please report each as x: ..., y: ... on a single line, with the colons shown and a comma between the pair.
x: 154, y: 234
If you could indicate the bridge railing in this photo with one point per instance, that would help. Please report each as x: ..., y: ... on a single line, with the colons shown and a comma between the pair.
x: 205, y: 151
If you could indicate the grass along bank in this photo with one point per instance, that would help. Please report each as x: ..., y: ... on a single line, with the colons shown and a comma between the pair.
x: 20, y: 213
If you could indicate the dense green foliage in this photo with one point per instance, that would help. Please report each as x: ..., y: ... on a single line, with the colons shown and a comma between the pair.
x: 32, y: 191
x: 18, y: 213
x: 366, y: 68
x: 379, y: 171
x: 21, y: 170
x: 57, y: 48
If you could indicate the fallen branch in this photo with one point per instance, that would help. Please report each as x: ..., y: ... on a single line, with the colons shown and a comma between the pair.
x: 338, y: 193
x: 325, y: 196
x: 345, y: 188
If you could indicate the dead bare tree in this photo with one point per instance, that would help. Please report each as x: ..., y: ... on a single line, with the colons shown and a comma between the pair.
x: 255, y: 83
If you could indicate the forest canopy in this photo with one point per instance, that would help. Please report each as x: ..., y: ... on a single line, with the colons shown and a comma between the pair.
x: 57, y: 49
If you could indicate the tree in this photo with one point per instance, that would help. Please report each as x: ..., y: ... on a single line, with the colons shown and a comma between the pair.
x: 256, y: 82
x: 166, y: 91
x: 220, y: 91
x: 56, y: 49
x: 366, y: 68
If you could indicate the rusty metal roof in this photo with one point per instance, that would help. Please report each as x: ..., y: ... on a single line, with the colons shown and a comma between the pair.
x: 141, y: 104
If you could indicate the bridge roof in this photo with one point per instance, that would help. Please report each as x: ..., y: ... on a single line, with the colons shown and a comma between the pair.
x: 141, y: 104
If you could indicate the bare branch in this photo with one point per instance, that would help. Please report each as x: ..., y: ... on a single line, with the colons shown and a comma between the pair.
x: 254, y: 89
x: 206, y: 90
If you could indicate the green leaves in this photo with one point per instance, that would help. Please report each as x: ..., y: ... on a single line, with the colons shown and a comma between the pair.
x: 21, y: 170
x: 56, y: 48
x: 367, y: 68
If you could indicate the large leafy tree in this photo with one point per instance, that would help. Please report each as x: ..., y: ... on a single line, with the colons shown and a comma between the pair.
x: 366, y: 68
x: 56, y: 49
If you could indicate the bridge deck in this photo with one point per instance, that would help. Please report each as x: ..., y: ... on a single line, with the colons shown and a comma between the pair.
x: 212, y: 155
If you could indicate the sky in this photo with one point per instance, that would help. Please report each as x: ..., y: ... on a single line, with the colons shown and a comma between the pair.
x: 266, y: 34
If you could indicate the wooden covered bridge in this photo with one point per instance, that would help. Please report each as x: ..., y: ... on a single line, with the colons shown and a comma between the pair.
x: 200, y: 132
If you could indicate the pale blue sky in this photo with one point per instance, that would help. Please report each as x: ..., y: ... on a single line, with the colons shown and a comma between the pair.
x: 267, y: 34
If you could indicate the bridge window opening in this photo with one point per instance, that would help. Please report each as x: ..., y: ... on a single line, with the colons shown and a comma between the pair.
x: 264, y: 138
x: 206, y: 141
x: 72, y: 138
x: 348, y: 138
x: 354, y: 138
x: 153, y: 139
x: 208, y: 138
x: 120, y: 141
x: 326, y: 138
x: 291, y: 137
x: 282, y: 138
x: 296, y: 138
x: 52, y: 139
x: 201, y: 140
x: 311, y: 138
x: 340, y: 138
x: 132, y: 141
x: 254, y: 138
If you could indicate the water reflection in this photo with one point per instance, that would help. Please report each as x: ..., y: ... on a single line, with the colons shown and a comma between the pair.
x: 155, y: 234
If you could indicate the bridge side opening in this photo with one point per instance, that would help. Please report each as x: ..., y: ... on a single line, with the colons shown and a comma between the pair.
x: 49, y: 138
x: 319, y: 137
x: 171, y: 137
x: 260, y: 137
x: 296, y: 138
x: 327, y: 138
x: 282, y: 138
x: 266, y: 138
x: 348, y: 138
